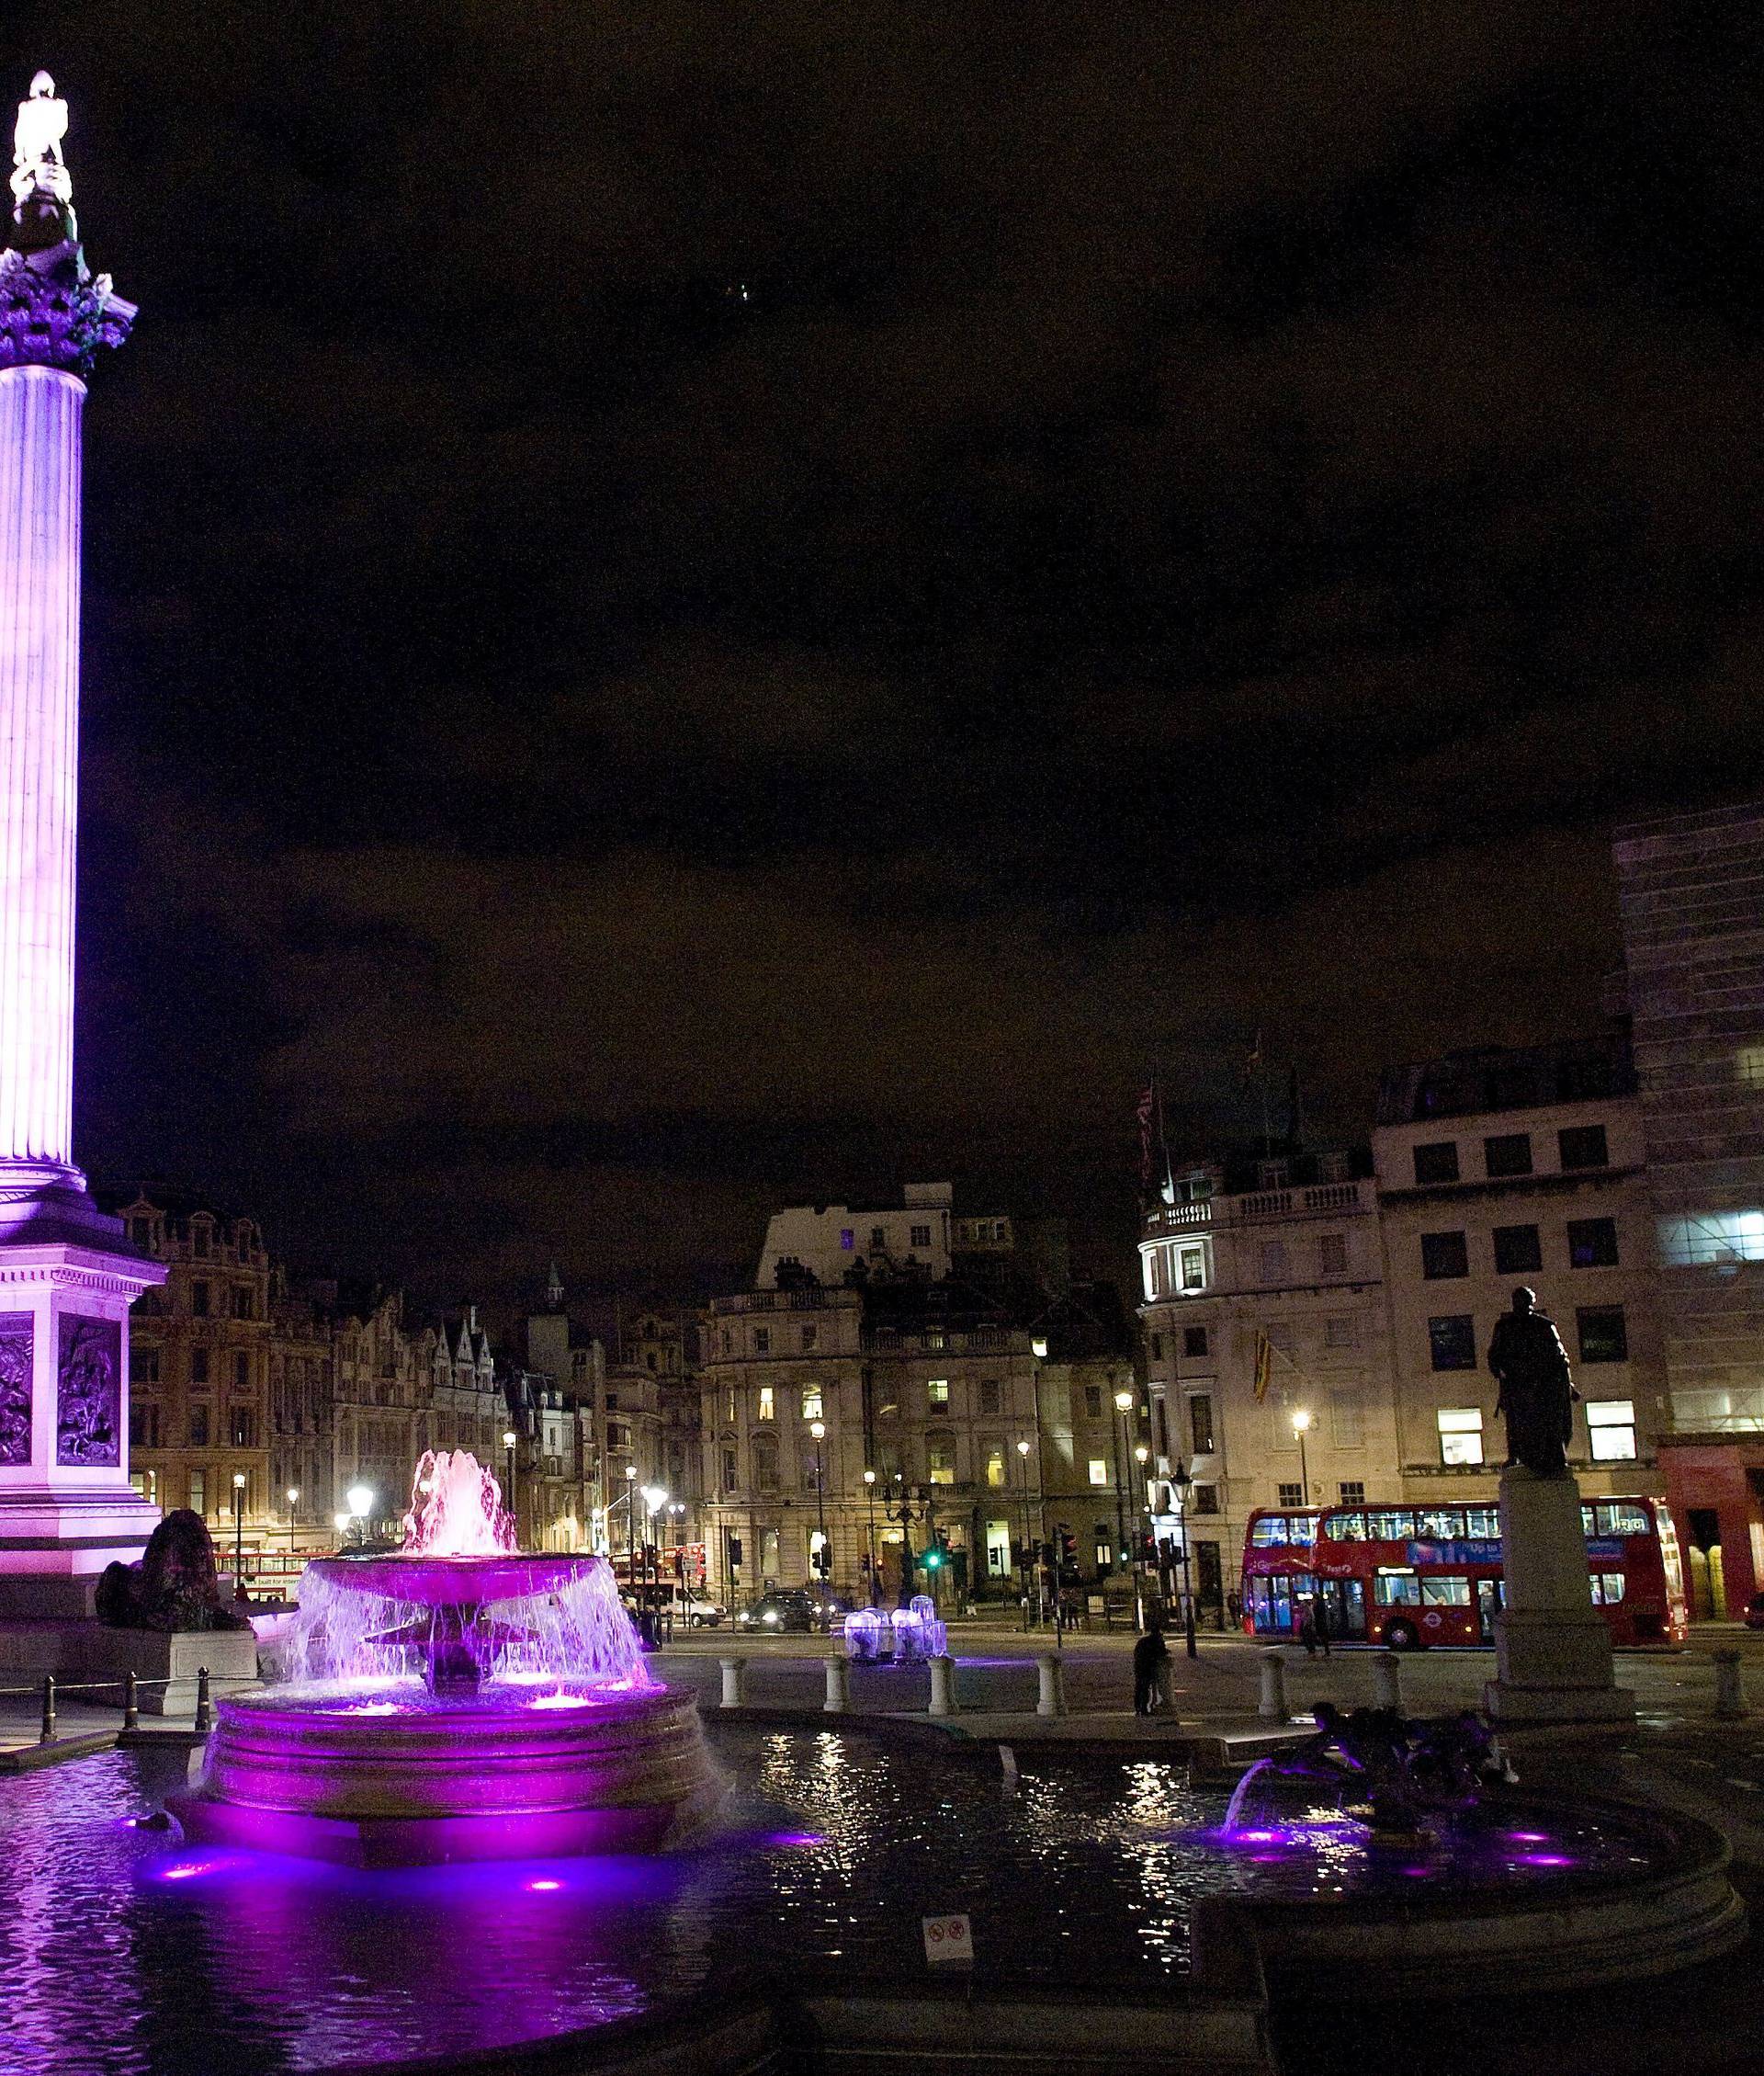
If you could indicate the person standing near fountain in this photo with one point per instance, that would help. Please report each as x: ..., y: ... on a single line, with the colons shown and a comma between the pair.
x: 1552, y: 1647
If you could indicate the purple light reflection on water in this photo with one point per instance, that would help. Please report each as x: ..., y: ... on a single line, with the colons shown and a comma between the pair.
x: 1545, y: 1860
x: 1528, y: 1837
x: 793, y: 1840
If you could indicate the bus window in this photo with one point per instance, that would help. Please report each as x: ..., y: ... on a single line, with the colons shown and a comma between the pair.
x: 1588, y: 1527
x: 1346, y: 1527
x: 1302, y: 1528
x: 1620, y: 1517
x: 1445, y: 1593
x: 1397, y: 1589
x: 1607, y: 1588
x: 1482, y: 1524
x: 1439, y: 1523
x: 1269, y: 1531
x: 1392, y: 1524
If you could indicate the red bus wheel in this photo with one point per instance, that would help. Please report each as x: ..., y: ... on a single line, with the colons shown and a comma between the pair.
x: 1401, y: 1636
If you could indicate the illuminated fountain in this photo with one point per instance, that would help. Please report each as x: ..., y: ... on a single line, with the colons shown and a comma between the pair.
x: 460, y: 1700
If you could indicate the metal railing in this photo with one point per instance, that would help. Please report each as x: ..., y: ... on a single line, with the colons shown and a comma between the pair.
x: 51, y: 1689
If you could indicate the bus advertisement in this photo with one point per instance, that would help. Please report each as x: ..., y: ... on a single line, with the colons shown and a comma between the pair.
x: 1409, y: 1576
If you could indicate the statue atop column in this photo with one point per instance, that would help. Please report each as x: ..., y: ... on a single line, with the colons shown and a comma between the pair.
x: 54, y: 312
x: 1537, y: 1393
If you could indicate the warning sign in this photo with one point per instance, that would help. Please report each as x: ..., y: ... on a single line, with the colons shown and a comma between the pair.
x: 948, y: 1939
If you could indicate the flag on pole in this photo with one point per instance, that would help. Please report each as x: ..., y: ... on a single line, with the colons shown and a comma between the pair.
x: 1264, y: 1364
x: 1252, y: 1065
x: 1148, y: 1103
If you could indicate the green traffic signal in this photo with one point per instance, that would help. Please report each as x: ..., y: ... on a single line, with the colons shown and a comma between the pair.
x: 933, y: 1558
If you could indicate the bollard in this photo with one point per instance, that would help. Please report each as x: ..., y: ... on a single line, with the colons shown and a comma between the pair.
x: 48, y: 1734
x: 839, y: 1685
x: 1386, y: 1681
x: 942, y: 1685
x: 1272, y: 1707
x: 1050, y: 1698
x: 204, y: 1706
x: 1730, y: 1687
x: 131, y: 1703
x: 734, y: 1673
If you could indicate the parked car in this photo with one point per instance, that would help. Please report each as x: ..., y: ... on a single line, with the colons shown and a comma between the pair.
x: 698, y: 1611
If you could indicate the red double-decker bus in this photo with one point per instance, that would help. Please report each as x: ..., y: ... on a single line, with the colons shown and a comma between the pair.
x: 1409, y: 1576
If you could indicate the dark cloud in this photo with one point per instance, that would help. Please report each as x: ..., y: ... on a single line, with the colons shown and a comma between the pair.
x: 690, y: 602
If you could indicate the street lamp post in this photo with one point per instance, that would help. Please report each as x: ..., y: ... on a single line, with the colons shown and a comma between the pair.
x: 902, y: 1513
x: 823, y: 1558
x: 1181, y: 1483
x: 238, y: 1530
x: 1301, y: 1427
x: 509, y: 1439
x: 1027, y: 1568
x: 359, y: 1500
x: 1123, y: 1406
x: 293, y: 1499
x: 869, y: 1494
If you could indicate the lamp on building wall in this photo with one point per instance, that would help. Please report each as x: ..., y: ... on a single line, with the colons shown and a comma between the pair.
x: 238, y: 1529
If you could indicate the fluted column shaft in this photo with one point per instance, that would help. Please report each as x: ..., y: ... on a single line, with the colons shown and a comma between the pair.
x: 39, y: 686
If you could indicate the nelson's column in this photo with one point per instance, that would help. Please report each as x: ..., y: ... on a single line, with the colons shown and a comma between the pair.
x: 67, y: 1277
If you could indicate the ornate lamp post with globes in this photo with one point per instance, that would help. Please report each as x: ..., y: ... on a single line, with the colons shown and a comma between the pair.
x: 1301, y: 1427
x: 869, y: 1494
x: 823, y: 1555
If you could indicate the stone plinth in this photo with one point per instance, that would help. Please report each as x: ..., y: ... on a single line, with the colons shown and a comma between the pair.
x: 1552, y: 1647
x: 81, y: 1651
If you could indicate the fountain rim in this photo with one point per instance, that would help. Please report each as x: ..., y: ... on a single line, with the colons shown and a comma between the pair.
x: 418, y: 1578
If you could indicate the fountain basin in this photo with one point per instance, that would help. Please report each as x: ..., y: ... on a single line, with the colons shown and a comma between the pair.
x: 451, y: 1582
x: 379, y: 1777
x: 1660, y: 1899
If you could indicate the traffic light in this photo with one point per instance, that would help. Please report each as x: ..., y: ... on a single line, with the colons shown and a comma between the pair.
x: 933, y: 1560
x: 824, y: 1559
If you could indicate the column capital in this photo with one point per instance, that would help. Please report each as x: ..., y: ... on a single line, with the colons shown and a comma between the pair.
x: 55, y: 312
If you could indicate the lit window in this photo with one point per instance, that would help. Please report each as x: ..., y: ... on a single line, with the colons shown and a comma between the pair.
x: 1099, y: 1470
x: 768, y: 1410
x: 941, y: 1458
x: 847, y: 1238
x: 1607, y: 1588
x: 1461, y: 1435
x: 1709, y: 1239
x: 1749, y: 1066
x: 811, y: 1407
x: 1611, y: 1428
x: 938, y: 1390
x: 995, y: 1463
x: 1191, y: 1268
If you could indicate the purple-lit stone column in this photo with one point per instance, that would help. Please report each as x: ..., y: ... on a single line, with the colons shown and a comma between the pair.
x: 67, y: 1275
x: 40, y: 695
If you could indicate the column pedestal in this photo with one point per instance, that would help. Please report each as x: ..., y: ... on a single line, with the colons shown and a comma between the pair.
x: 1552, y: 1647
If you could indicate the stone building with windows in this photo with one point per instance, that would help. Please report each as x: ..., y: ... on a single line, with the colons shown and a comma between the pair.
x: 1264, y: 1309
x: 301, y: 1417
x: 198, y: 1414
x: 1498, y: 1168
x: 1691, y: 891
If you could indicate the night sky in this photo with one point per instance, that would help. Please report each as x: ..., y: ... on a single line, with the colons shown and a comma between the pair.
x: 694, y: 606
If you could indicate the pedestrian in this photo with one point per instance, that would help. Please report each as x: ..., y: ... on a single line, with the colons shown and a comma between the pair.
x: 1234, y: 1607
x: 1308, y: 1628
x: 1150, y: 1655
x: 1320, y: 1623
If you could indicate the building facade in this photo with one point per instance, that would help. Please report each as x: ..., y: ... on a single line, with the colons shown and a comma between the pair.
x: 1267, y: 1350
x: 1692, y: 889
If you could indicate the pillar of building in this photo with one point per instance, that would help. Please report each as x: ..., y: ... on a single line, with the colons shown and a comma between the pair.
x: 66, y: 1506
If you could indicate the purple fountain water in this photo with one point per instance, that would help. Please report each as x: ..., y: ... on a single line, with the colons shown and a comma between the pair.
x: 460, y: 1700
